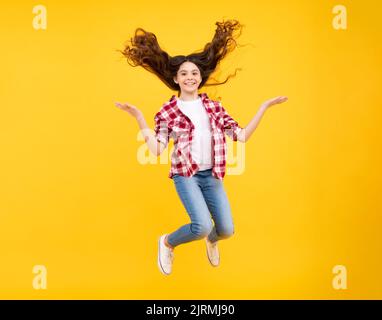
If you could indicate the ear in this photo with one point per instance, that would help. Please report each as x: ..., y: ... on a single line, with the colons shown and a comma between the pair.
x: 175, y: 80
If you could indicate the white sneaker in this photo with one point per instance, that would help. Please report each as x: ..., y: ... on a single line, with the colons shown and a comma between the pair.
x: 165, y: 257
x: 213, y: 252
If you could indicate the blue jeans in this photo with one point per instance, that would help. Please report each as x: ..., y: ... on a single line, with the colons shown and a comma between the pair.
x: 203, y: 197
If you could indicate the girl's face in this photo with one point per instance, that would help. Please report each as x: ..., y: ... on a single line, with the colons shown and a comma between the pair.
x: 188, y: 77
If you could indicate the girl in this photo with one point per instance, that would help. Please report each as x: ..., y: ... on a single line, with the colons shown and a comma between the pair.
x: 198, y: 126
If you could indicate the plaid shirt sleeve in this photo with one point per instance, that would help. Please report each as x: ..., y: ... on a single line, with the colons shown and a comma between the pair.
x: 231, y: 127
x: 162, y: 133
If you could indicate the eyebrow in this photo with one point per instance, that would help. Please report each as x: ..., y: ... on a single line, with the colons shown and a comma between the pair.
x: 186, y: 70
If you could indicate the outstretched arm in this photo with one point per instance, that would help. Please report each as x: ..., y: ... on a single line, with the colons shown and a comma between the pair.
x: 154, y: 146
x: 246, y: 133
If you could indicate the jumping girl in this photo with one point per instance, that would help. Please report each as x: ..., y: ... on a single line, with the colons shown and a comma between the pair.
x: 197, y: 126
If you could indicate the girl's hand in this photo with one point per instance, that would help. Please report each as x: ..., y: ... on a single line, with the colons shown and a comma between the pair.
x: 129, y: 108
x: 274, y: 101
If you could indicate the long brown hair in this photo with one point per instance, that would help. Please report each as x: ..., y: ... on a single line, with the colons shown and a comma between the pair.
x: 146, y: 52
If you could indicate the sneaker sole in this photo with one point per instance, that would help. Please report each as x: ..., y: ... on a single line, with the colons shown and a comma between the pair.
x: 159, y: 264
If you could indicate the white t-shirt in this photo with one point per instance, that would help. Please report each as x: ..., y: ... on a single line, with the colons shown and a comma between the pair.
x: 201, y: 148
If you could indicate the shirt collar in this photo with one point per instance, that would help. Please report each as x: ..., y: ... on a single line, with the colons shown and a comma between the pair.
x: 202, y: 95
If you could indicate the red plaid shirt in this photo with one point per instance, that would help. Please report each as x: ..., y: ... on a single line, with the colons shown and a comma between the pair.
x: 170, y: 121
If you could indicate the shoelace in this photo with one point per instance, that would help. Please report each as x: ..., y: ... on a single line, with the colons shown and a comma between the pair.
x: 170, y: 254
x: 213, y: 251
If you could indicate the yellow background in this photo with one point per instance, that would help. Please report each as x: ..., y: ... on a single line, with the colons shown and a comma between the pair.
x: 75, y: 199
